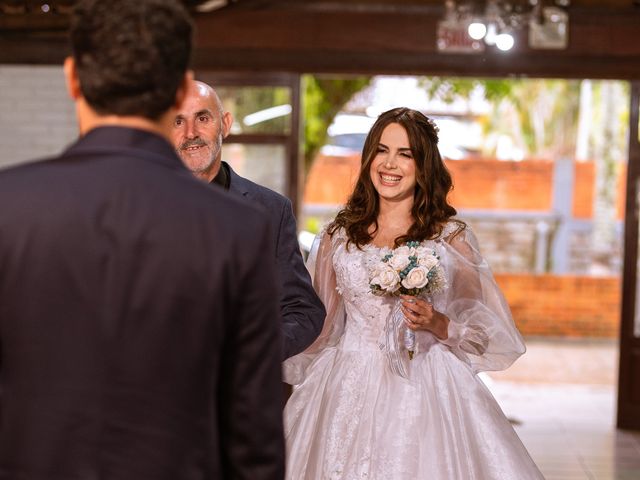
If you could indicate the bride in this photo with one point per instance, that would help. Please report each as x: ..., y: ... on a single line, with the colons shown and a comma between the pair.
x: 362, y: 407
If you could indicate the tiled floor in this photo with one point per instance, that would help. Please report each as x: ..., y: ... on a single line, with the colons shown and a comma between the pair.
x: 561, y: 399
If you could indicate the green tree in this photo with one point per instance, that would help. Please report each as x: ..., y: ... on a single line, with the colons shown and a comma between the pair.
x: 540, y: 114
x: 323, y: 98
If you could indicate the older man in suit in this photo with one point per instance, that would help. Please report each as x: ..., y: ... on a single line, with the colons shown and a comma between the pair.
x: 139, y: 330
x: 199, y: 129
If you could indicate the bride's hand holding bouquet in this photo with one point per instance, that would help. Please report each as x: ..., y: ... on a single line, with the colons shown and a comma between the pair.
x: 420, y: 315
x: 410, y: 272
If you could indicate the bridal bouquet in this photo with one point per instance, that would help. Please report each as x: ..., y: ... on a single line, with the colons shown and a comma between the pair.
x: 410, y: 269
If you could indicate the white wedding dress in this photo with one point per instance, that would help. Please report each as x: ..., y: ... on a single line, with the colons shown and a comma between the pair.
x: 351, y: 418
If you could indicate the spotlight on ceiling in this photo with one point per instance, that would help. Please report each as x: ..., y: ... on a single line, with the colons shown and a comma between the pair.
x: 211, y: 5
x: 499, y: 23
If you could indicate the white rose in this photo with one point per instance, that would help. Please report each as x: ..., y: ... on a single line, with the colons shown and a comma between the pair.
x: 400, y: 259
x: 388, y: 279
x: 416, y: 278
x: 427, y: 259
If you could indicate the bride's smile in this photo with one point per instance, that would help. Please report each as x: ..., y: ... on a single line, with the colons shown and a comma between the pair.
x: 393, y: 169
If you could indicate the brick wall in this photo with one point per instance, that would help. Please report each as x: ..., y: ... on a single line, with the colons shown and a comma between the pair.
x: 331, y: 179
x: 478, y: 184
x: 37, y: 118
x: 584, y: 190
x: 525, y: 185
x: 573, y: 306
x: 499, y: 185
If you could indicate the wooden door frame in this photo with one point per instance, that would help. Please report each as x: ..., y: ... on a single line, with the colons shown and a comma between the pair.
x: 629, y: 368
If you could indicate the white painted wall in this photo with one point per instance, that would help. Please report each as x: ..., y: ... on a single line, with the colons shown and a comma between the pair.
x: 37, y: 118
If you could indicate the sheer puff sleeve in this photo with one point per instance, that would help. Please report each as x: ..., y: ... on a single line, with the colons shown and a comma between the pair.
x: 320, y: 265
x: 481, y: 330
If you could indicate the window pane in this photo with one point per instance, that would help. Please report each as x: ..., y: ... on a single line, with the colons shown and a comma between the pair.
x: 258, y: 109
x: 263, y: 164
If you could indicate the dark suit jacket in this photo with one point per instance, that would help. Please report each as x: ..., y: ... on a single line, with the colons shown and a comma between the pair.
x: 138, y: 321
x: 302, y: 311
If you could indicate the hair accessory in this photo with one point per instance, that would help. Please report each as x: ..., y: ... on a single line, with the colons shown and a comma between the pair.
x: 434, y: 128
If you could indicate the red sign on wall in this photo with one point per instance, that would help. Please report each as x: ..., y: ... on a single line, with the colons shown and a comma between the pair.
x: 453, y: 37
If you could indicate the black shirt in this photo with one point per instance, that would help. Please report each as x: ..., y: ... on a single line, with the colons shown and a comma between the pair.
x: 223, y: 178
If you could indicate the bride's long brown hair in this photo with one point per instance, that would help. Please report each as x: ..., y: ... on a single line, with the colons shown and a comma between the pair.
x: 430, y: 208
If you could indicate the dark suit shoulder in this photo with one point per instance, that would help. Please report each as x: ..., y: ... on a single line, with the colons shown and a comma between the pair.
x: 250, y: 211
x: 107, y: 177
x: 20, y: 170
x: 269, y: 198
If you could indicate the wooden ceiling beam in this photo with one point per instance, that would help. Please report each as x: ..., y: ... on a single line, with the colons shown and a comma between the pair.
x: 604, y: 45
x: 402, y: 63
x: 601, y: 45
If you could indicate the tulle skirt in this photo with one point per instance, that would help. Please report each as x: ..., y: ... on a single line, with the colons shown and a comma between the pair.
x: 353, y: 419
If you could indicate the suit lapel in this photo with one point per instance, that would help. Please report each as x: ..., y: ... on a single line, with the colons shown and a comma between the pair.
x: 237, y: 184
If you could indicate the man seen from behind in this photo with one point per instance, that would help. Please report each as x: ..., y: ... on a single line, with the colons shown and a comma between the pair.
x: 139, y: 330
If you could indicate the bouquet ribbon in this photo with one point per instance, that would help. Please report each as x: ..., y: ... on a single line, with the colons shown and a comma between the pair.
x: 392, y: 341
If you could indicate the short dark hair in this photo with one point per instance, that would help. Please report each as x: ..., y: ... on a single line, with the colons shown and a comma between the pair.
x: 130, y: 55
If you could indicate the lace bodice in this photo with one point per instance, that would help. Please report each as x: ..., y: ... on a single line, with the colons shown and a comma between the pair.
x: 366, y: 313
x: 481, y: 330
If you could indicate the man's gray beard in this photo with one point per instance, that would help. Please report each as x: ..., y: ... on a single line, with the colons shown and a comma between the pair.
x: 214, y: 155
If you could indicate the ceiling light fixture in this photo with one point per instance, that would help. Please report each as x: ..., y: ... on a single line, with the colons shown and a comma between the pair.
x: 499, y: 22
